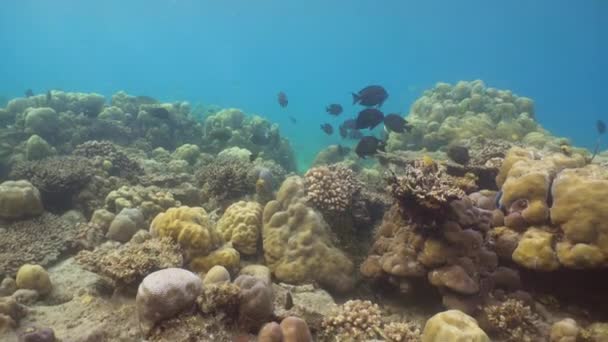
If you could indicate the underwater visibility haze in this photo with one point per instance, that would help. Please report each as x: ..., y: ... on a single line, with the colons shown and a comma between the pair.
x: 303, y: 170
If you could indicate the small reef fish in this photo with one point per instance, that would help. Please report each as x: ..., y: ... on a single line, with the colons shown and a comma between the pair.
x: 459, y: 154
x: 282, y: 99
x: 342, y: 150
x: 370, y: 96
x: 334, y: 109
x: 29, y: 93
x: 260, y: 138
x: 369, y: 118
x: 293, y: 120
x: 601, y: 127
x: 159, y: 112
x: 369, y: 146
x: 395, y: 123
x: 327, y: 128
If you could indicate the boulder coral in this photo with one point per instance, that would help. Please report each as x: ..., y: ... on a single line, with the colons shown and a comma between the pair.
x: 297, y: 244
x: 256, y: 305
x: 554, y: 212
x: 34, y: 277
x: 448, y: 113
x: 19, y: 199
x: 198, y: 238
x: 453, y: 325
x: 241, y: 224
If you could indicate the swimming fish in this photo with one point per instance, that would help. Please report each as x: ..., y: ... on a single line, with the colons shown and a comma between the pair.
x: 343, y: 131
x: 327, y: 128
x: 395, y: 123
x: 29, y: 93
x: 159, y: 112
x: 601, y: 127
x: 368, y: 146
x: 293, y: 120
x: 334, y: 109
x: 282, y: 98
x: 370, y: 96
x: 369, y: 118
x: 260, y: 138
x: 459, y: 154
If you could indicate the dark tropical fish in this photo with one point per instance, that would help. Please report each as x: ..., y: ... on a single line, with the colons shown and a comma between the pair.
x: 459, y: 154
x: 350, y: 124
x: 159, y: 112
x: 222, y: 134
x: 355, y: 134
x: 288, y: 301
x: 369, y: 118
x: 282, y: 98
x: 29, y: 93
x: 342, y: 151
x: 293, y: 120
x: 368, y: 146
x: 327, y: 128
x: 334, y: 109
x: 343, y: 131
x: 143, y: 99
x: 373, y: 95
x: 49, y: 96
x: 601, y: 126
x: 395, y: 123
x: 260, y: 138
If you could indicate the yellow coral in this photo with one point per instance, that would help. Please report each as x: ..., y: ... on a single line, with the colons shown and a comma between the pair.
x: 453, y: 326
x: 535, y: 250
x: 241, y: 224
x: 34, y: 277
x: 226, y: 256
x: 190, y: 227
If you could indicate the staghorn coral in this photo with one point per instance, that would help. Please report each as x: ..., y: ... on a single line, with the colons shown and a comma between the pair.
x: 512, y: 321
x: 355, y: 320
x: 130, y: 263
x: 424, y: 189
x: 58, y: 236
x: 120, y: 164
x: 297, y: 244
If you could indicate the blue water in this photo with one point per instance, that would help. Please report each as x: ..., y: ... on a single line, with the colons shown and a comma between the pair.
x: 241, y: 53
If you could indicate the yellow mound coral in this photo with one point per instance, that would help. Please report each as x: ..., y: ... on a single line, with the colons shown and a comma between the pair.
x: 535, y: 250
x: 34, y: 277
x: 297, y: 245
x: 225, y: 256
x: 190, y: 227
x: 453, y: 326
x: 241, y: 224
x: 580, y: 209
x: 19, y: 199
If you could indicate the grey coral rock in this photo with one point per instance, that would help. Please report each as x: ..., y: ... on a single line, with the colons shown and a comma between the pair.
x: 164, y: 294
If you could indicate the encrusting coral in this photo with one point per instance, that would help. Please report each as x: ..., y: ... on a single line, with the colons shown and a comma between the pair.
x: 297, y: 244
x: 130, y: 263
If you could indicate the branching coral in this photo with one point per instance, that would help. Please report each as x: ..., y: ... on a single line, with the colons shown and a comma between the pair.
x: 130, y: 263
x: 40, y: 240
x: 355, y: 320
x: 331, y: 188
x: 57, y: 178
x: 121, y: 165
x: 512, y: 321
x: 402, y: 332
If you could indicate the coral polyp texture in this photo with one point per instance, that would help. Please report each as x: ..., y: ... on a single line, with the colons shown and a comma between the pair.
x: 331, y: 188
x: 297, y: 244
x: 449, y: 113
x: 241, y: 224
x: 554, y: 215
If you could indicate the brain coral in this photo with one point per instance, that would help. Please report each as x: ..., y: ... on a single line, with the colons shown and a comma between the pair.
x: 454, y: 326
x: 297, y: 244
x: 190, y: 227
x: 242, y: 224
x: 19, y: 199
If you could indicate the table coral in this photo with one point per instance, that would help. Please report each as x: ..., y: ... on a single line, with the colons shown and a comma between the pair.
x: 297, y: 244
x: 241, y: 224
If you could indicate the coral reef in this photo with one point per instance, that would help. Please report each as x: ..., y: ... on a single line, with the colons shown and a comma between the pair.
x: 511, y: 321
x: 128, y: 264
x: 164, y: 294
x: 448, y: 114
x: 150, y: 200
x: 226, y: 179
x: 43, y: 239
x: 125, y: 225
x: 256, y: 303
x: 241, y: 224
x: 331, y: 188
x: 59, y: 179
x: 34, y: 277
x: 119, y: 163
x: 296, y: 241
x: 453, y: 325
x: 553, y: 212
x: 355, y: 320
x: 19, y: 199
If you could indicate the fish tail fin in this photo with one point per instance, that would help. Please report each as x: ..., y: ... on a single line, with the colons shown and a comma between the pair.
x: 355, y: 98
